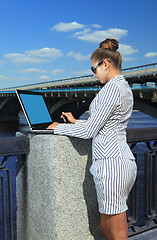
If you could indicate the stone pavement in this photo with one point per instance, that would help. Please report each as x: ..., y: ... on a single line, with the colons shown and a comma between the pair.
x: 149, y: 235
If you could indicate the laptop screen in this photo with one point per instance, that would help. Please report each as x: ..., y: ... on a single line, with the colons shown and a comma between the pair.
x: 35, y: 108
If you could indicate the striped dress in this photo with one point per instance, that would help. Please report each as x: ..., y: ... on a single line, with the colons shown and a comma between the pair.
x: 113, y: 167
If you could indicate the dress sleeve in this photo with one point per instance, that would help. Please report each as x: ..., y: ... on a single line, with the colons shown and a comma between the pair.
x: 87, y: 129
x: 80, y: 121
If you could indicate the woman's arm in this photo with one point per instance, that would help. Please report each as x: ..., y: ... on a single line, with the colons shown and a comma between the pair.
x: 89, y: 128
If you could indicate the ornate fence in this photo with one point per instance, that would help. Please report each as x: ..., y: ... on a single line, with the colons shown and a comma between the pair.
x: 143, y: 198
x: 9, y: 146
x: 142, y: 213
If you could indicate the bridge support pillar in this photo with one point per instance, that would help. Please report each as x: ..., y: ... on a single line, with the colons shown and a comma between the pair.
x: 56, y: 196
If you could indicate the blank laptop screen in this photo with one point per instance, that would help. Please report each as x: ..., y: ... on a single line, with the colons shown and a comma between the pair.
x: 35, y: 108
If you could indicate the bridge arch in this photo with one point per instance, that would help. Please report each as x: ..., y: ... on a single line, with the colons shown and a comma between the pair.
x: 9, y: 109
x: 76, y: 106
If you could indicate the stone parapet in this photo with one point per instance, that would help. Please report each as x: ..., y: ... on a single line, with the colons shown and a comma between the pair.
x: 56, y: 198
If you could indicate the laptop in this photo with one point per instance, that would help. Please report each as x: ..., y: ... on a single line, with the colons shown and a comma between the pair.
x: 35, y: 110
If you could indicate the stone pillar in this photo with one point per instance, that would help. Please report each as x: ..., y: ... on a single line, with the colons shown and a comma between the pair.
x: 56, y: 198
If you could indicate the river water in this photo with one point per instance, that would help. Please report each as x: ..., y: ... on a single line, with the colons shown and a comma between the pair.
x: 137, y: 120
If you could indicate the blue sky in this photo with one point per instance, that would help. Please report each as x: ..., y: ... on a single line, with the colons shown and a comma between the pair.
x: 44, y: 40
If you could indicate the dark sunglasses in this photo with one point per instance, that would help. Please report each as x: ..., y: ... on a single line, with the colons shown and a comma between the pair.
x: 97, y: 65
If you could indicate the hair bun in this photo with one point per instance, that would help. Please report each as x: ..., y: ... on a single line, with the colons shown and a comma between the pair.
x: 110, y: 43
x: 114, y: 44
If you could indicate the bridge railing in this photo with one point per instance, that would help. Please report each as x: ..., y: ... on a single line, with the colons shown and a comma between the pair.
x: 141, y: 66
x: 138, y: 70
x: 142, y: 213
x: 10, y: 146
x: 142, y: 200
x: 57, y: 81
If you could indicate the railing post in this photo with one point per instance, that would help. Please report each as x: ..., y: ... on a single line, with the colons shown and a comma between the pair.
x: 3, y: 208
x: 150, y: 190
x: 11, y: 146
x: 133, y: 199
x: 9, y: 200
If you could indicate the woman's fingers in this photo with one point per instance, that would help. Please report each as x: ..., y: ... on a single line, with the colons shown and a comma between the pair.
x: 68, y: 116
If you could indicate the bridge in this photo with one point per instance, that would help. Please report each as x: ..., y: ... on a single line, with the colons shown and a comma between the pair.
x: 75, y: 94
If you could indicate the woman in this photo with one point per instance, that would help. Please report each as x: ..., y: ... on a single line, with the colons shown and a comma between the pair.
x: 113, y: 167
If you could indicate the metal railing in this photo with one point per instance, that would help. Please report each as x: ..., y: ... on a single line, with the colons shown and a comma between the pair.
x: 58, y: 82
x: 141, y: 66
x: 144, y: 192
x: 10, y: 146
x: 14, y: 146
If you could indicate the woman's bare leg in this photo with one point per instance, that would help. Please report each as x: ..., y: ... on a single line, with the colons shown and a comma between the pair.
x: 114, y: 227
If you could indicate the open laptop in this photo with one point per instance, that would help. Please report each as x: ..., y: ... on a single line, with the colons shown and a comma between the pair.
x: 35, y: 110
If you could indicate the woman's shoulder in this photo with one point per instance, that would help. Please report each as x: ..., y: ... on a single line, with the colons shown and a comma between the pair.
x: 109, y: 86
x: 109, y: 91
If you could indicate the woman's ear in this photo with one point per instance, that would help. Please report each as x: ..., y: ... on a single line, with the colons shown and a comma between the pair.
x: 106, y: 63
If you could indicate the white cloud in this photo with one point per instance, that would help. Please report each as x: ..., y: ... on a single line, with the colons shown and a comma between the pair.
x: 98, y: 36
x: 13, y: 81
x: 57, y: 71
x: 51, y: 53
x: 126, y: 50
x: 2, y: 77
x: 83, y: 72
x: 44, y: 77
x: 1, y: 62
x: 96, y: 25
x: 87, y: 30
x: 16, y: 79
x: 127, y: 59
x: 34, y: 56
x: 151, y: 54
x: 31, y: 70
x: 66, y: 27
x: 79, y: 56
x: 22, y: 79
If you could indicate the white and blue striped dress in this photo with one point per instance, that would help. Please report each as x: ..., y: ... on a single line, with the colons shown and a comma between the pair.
x: 113, y: 168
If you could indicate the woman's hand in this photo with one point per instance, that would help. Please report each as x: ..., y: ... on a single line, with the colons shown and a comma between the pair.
x: 53, y: 125
x: 68, y: 116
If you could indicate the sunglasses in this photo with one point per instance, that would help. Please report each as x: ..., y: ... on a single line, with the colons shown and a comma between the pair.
x: 97, y: 65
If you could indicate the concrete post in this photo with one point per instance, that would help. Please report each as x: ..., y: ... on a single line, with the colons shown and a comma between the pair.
x: 56, y: 197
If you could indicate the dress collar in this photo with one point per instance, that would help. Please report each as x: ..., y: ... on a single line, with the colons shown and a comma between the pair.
x: 117, y: 78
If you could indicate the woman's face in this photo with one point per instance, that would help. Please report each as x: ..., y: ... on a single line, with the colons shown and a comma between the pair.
x: 100, y: 71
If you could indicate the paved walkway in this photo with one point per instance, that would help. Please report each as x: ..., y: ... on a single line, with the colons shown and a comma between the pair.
x: 149, y: 235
